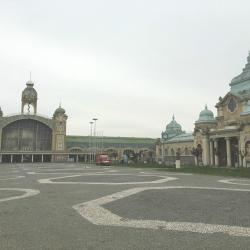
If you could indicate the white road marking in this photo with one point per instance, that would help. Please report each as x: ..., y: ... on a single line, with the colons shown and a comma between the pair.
x: 12, y: 178
x: 50, y: 180
x: 63, y: 169
x: 49, y: 173
x: 97, y: 215
x: 235, y: 182
x: 27, y: 193
x: 166, y: 173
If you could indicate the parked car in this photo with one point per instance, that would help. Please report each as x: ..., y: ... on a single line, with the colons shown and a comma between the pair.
x: 103, y: 159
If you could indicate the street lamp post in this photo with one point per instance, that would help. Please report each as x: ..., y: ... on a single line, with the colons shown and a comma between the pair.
x: 90, y: 141
x: 95, y: 143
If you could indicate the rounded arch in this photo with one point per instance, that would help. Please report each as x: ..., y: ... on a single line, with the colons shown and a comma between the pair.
x: 247, y: 148
x: 112, y: 153
x: 76, y: 150
x: 10, y: 119
x: 26, y: 135
x: 199, y: 154
x: 186, y: 151
x: 172, y: 152
x: 129, y: 152
x: 166, y: 151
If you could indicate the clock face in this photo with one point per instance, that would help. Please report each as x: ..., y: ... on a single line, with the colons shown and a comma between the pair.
x: 232, y: 105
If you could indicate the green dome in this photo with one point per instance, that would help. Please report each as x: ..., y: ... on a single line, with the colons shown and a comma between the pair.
x: 173, y: 125
x: 206, y: 115
x: 242, y: 82
x: 172, y: 129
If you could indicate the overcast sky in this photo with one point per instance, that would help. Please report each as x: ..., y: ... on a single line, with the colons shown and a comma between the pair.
x: 131, y: 64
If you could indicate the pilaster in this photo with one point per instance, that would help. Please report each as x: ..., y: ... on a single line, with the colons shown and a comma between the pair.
x: 216, y: 157
x: 205, y: 153
x: 228, y: 147
x: 211, y: 152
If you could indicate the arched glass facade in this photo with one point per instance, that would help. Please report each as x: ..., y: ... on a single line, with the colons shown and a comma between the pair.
x: 26, y: 135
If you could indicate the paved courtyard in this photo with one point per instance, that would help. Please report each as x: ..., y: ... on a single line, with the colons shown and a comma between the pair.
x: 75, y: 206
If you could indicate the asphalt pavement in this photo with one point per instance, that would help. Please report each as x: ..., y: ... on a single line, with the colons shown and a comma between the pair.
x: 76, y: 206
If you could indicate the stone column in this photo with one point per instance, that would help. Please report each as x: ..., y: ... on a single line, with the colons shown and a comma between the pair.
x: 216, y: 157
x: 239, y: 153
x: 42, y: 158
x: 162, y: 153
x: 77, y: 158
x: 32, y: 158
x: 1, y: 156
x: 244, y: 162
x: 228, y: 146
x: 211, y: 153
x: 11, y: 158
x: 0, y: 139
x: 22, y: 158
x: 240, y: 161
x: 205, y: 153
x: 196, y: 160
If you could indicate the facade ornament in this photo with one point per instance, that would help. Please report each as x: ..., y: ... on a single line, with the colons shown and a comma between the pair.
x: 29, y: 97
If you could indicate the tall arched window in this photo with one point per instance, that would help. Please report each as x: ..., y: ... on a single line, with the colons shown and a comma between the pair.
x: 166, y: 151
x: 26, y: 135
x: 172, y: 152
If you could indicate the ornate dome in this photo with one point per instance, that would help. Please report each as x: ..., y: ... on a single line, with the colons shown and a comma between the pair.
x: 206, y: 115
x: 172, y: 129
x: 59, y: 110
x: 29, y: 94
x: 173, y: 125
x: 242, y: 81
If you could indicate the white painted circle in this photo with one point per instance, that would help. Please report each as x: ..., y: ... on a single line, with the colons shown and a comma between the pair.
x: 51, y: 180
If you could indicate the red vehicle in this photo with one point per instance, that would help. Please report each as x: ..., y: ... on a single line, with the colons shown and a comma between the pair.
x: 103, y: 159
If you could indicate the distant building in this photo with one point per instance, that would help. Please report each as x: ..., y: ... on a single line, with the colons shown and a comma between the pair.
x: 225, y: 140
x: 30, y: 137
x: 218, y: 141
x: 174, y: 141
x: 135, y: 148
